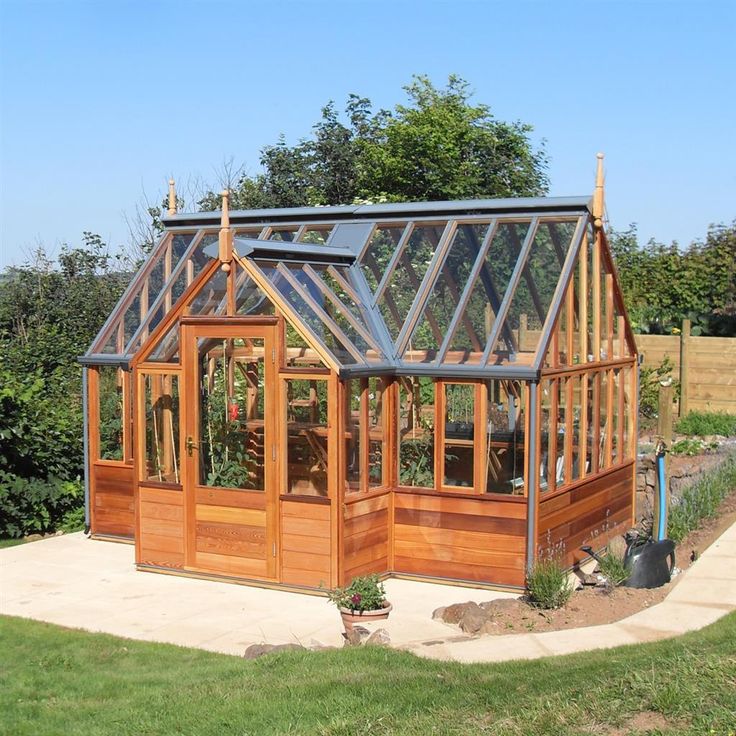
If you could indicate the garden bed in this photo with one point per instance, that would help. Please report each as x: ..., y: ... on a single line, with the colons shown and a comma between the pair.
x: 591, y: 606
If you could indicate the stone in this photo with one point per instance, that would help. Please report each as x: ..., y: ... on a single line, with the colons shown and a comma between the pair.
x: 641, y: 481
x: 472, y: 621
x: 651, y: 478
x: 379, y: 638
x: 438, y: 613
x: 356, y: 636
x: 455, y: 613
x: 258, y: 650
x: 502, y: 604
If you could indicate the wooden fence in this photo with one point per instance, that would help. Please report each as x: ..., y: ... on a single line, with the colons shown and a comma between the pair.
x: 705, y: 367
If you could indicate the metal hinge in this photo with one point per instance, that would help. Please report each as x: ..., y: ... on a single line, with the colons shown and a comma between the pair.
x: 273, y: 355
x: 273, y: 548
x: 273, y: 452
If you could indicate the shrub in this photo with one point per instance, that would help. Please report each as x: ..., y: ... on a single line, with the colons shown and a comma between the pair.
x: 548, y: 585
x: 704, y: 423
x: 649, y: 379
x: 701, y: 500
x: 691, y: 446
x: 365, y: 593
x: 612, y: 567
x: 36, y: 506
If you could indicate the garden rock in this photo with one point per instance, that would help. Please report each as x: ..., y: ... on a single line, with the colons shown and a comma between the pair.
x: 455, y: 613
x: 258, y: 650
x: 356, y: 636
x: 379, y: 638
x: 502, y: 604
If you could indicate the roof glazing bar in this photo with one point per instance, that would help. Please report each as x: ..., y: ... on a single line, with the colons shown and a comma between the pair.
x: 511, y: 289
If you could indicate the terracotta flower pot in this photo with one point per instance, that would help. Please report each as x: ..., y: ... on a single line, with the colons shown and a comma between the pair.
x: 350, y: 617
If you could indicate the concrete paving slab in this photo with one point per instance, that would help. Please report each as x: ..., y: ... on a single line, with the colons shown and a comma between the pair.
x: 76, y: 582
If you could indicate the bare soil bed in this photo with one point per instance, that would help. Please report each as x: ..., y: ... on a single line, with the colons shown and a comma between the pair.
x: 591, y: 606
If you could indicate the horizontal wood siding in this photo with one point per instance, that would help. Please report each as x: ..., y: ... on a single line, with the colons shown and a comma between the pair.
x: 466, y: 539
x: 365, y: 537
x: 710, y: 374
x: 591, y: 513
x: 113, y: 510
x: 161, y: 527
x: 230, y: 532
x: 305, y: 544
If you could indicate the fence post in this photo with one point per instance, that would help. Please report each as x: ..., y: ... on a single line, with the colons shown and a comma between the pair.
x: 523, y: 326
x: 684, y: 355
x: 664, y: 420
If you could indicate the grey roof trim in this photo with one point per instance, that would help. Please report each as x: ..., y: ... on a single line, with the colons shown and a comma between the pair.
x: 119, y: 361
x: 510, y: 372
x: 531, y: 205
x: 289, y: 251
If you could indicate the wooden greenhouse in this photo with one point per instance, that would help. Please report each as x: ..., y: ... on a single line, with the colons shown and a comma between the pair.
x: 293, y: 397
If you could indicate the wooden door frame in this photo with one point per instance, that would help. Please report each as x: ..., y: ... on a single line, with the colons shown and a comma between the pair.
x: 193, y: 327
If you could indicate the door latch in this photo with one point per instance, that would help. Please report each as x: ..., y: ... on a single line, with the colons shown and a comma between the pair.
x: 190, y: 445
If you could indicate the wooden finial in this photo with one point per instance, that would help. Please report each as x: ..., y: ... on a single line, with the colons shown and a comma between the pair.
x: 226, y: 236
x: 598, y: 196
x: 172, y: 197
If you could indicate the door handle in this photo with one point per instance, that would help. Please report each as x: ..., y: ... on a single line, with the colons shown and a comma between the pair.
x: 190, y: 445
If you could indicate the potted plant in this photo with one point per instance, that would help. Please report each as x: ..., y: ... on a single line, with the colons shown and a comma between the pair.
x: 363, y: 600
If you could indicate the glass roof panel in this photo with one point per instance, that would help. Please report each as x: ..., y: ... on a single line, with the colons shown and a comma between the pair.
x: 167, y: 348
x: 284, y: 234
x: 538, y: 281
x: 406, y: 277
x: 290, y: 289
x: 212, y: 295
x: 249, y: 298
x: 378, y: 254
x: 340, y: 308
x: 316, y: 235
x: 179, y: 245
x: 491, y: 281
x: 445, y: 297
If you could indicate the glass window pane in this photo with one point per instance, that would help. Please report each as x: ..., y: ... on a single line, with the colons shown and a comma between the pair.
x: 306, y: 437
x: 407, y: 276
x: 545, y: 426
x: 162, y: 428
x: 416, y: 432
x: 111, y: 413
x: 376, y: 392
x: 285, y: 235
x: 536, y: 287
x: 378, y: 254
x: 445, y: 296
x: 354, y: 439
x: 231, y: 416
x: 504, y: 460
x: 179, y: 245
x: 458, y: 453
x: 487, y: 293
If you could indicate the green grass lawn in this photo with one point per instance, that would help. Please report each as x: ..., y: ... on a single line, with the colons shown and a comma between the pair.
x: 60, y: 681
x: 11, y: 542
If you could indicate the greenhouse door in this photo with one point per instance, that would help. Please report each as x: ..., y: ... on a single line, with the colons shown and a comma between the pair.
x: 229, y: 411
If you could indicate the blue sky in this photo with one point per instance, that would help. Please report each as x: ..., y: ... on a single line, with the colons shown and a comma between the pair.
x: 102, y: 101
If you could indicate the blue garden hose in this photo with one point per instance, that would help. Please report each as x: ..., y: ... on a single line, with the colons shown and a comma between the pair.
x: 662, y: 493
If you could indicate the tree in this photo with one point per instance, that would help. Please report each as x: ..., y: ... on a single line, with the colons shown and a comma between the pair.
x: 439, y: 146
